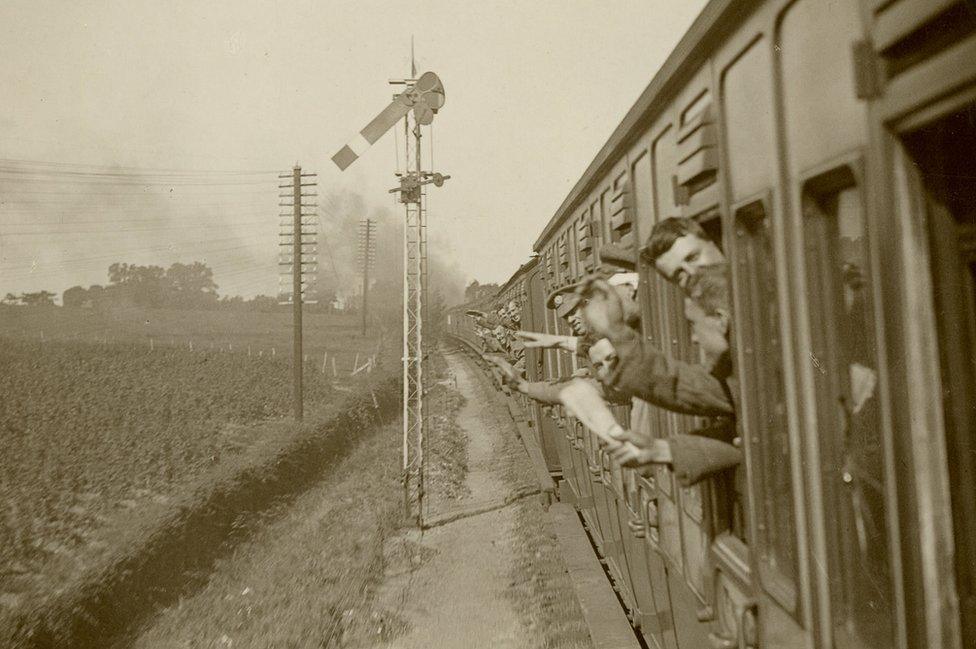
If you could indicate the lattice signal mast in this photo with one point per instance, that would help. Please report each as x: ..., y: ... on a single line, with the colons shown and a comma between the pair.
x: 297, y: 261
x: 416, y: 105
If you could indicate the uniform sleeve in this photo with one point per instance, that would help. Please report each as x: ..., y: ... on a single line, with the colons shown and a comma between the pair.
x: 695, y: 458
x: 645, y: 372
x: 544, y: 391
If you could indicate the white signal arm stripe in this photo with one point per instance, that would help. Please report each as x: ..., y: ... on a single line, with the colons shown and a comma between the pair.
x: 358, y: 144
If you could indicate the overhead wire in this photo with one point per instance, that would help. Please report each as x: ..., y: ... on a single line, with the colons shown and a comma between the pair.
x: 116, y: 231
x: 182, y: 194
x: 134, y: 169
x: 137, y: 181
x: 68, y: 182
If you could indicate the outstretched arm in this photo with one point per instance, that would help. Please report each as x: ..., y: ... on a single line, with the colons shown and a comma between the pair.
x: 547, y: 341
x: 645, y: 372
x: 584, y: 400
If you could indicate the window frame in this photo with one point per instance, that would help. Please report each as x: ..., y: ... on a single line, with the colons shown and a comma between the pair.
x: 750, y: 340
x: 831, y: 178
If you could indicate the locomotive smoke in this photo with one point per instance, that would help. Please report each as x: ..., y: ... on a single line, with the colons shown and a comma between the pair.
x: 340, y: 266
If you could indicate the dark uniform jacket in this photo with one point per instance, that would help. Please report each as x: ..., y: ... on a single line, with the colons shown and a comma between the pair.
x: 645, y: 372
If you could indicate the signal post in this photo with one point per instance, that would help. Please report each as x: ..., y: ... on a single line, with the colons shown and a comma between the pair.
x: 422, y: 97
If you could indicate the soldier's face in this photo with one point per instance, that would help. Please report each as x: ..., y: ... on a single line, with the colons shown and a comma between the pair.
x: 604, y: 357
x: 685, y: 257
x: 709, y: 331
x: 575, y: 320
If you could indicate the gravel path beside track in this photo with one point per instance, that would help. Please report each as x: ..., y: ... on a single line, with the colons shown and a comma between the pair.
x: 492, y: 579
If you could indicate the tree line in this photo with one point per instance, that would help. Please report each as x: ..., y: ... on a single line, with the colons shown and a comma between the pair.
x: 181, y: 286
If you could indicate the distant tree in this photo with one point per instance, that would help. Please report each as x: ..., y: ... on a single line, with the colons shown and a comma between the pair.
x: 75, y: 297
x: 190, y: 285
x: 262, y: 303
x: 475, y: 291
x: 234, y: 303
x: 97, y: 295
x: 40, y: 298
x: 141, y: 285
x: 10, y: 300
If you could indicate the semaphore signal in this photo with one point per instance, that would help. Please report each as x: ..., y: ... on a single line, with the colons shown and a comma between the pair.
x: 416, y: 105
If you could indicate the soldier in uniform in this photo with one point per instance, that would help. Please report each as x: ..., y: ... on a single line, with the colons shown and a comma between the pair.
x: 644, y: 372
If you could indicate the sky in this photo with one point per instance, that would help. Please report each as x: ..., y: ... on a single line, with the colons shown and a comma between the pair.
x: 150, y: 132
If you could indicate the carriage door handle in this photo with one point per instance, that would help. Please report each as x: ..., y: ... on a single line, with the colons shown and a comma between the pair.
x: 747, y: 625
x: 745, y: 637
x: 722, y: 641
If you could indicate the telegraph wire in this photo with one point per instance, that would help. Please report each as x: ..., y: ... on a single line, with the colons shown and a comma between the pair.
x: 135, y: 169
x: 236, y: 192
x: 115, y: 231
x: 137, y: 182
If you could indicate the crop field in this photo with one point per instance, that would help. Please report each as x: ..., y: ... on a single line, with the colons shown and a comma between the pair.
x: 337, y: 335
x: 105, y: 415
x: 89, y: 429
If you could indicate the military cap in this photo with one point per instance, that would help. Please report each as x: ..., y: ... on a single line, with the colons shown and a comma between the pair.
x: 564, y: 300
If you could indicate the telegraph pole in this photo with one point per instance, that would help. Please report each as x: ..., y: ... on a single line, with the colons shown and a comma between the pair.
x: 299, y: 273
x: 366, y: 248
x: 296, y: 293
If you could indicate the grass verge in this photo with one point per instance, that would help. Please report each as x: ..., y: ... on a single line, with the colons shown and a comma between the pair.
x: 307, y: 579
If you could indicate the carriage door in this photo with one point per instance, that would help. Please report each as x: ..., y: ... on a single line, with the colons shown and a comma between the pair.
x: 943, y: 152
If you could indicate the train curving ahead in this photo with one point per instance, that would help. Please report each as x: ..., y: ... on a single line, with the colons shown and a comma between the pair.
x: 830, y: 147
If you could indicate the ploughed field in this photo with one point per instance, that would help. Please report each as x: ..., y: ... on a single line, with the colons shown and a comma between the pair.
x: 98, y: 437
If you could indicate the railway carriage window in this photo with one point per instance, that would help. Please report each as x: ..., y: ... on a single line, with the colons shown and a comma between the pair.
x: 943, y: 170
x: 765, y: 408
x: 849, y: 424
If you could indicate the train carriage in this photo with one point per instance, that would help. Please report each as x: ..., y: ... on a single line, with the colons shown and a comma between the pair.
x: 830, y: 146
